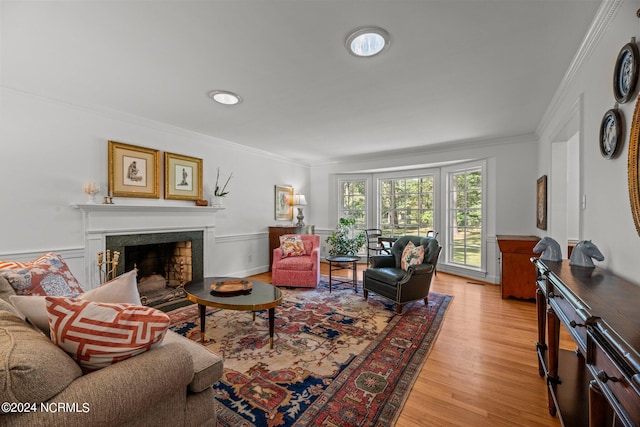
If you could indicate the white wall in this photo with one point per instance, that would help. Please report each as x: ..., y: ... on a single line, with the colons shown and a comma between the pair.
x: 511, y: 184
x: 607, y: 219
x: 49, y: 149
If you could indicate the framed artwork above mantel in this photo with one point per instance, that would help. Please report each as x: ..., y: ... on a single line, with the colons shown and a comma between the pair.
x: 133, y: 171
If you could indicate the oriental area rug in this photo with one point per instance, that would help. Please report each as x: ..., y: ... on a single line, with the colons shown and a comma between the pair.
x: 337, y: 360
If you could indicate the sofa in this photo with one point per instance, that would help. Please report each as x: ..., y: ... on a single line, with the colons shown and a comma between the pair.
x: 168, y: 385
x: 299, y: 269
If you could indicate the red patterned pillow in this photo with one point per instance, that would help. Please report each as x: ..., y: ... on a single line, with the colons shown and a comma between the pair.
x: 47, y: 275
x: 291, y: 246
x: 97, y: 335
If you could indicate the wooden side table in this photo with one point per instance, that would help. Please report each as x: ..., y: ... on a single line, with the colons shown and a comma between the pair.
x: 518, y: 274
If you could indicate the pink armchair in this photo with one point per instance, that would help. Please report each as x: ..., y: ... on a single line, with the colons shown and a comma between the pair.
x: 299, y: 271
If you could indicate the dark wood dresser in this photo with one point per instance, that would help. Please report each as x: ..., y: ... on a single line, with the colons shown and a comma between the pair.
x: 276, y: 232
x: 518, y: 278
x: 598, y: 384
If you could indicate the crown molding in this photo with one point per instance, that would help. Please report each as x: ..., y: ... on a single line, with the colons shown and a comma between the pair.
x: 465, y: 144
x: 156, y: 125
x: 600, y: 23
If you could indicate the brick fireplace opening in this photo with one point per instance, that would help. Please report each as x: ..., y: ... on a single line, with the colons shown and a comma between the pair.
x: 165, y: 262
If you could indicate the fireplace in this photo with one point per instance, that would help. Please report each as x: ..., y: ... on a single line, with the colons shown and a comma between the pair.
x: 115, y: 221
x: 165, y: 262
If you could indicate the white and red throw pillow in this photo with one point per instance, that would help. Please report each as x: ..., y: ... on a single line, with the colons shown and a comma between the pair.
x: 47, y: 275
x: 411, y: 255
x: 291, y: 246
x: 122, y: 289
x: 97, y: 335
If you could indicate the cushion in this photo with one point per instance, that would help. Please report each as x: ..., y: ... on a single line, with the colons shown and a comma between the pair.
x: 47, y: 275
x: 5, y: 289
x: 33, y: 369
x: 7, y: 306
x: 292, y: 246
x: 122, y: 289
x: 412, y: 255
x: 97, y: 335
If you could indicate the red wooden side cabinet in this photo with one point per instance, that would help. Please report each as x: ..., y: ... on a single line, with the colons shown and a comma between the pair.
x: 518, y: 273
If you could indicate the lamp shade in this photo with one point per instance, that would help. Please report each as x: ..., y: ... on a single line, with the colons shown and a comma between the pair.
x: 299, y: 200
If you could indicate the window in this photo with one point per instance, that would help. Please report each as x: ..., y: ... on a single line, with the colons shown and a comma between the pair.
x: 464, y: 223
x: 353, y: 201
x: 406, y: 205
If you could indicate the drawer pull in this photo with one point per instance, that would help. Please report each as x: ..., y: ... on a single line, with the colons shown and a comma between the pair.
x: 603, y: 377
x: 574, y: 324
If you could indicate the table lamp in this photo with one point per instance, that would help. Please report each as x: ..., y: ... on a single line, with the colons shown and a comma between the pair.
x: 299, y: 200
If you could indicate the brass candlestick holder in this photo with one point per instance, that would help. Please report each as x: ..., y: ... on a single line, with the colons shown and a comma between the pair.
x: 107, y: 267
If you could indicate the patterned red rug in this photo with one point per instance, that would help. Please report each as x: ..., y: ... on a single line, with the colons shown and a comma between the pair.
x: 337, y: 360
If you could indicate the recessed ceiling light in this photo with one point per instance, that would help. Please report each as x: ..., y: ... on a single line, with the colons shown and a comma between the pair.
x: 367, y: 41
x: 225, y: 97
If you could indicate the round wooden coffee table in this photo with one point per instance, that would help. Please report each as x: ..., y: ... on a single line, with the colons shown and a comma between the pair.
x: 263, y: 296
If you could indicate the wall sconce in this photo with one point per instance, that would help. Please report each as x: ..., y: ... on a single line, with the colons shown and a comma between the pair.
x: 299, y: 200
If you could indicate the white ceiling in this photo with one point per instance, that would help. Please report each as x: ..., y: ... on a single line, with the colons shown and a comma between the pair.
x: 455, y: 70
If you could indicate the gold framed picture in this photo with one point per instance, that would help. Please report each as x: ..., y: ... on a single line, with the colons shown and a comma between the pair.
x: 133, y: 171
x: 283, y: 198
x: 182, y: 177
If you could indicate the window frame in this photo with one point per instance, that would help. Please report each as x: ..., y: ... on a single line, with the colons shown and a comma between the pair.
x: 405, y: 174
x: 447, y: 255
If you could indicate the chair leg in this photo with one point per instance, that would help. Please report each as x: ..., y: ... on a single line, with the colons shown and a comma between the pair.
x: 399, y: 308
x: 365, y: 293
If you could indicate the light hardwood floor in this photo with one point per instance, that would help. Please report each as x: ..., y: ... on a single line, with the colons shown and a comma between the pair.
x: 483, y: 368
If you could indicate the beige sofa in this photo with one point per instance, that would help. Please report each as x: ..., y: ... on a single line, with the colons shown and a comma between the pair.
x: 169, y: 385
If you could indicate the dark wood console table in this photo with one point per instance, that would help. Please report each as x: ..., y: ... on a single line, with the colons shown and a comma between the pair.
x: 598, y: 384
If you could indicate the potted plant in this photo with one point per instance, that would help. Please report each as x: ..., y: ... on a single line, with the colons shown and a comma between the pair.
x: 344, y: 240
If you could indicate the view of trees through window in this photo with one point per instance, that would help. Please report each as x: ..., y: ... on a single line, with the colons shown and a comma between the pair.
x: 406, y: 205
x: 353, y: 202
x: 465, y: 217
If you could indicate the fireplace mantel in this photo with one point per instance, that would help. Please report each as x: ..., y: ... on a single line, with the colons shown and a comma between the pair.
x: 100, y: 221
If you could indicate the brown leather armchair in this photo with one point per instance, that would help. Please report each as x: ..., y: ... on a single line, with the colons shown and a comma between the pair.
x: 386, y: 278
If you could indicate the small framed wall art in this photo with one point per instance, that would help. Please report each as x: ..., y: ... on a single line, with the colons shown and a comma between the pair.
x: 625, y: 73
x: 283, y: 208
x: 541, y: 203
x: 182, y: 177
x: 611, y: 133
x: 133, y: 171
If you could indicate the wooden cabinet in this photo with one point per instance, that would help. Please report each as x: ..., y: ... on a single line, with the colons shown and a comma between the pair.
x: 276, y: 232
x: 598, y: 384
x: 518, y: 274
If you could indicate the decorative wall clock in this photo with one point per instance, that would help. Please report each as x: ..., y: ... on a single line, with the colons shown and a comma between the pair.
x: 611, y: 133
x: 625, y: 73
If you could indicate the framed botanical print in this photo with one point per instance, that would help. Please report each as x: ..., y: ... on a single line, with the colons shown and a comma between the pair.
x: 541, y: 203
x: 182, y: 177
x: 283, y: 198
x: 133, y: 171
x: 625, y: 73
x: 611, y: 133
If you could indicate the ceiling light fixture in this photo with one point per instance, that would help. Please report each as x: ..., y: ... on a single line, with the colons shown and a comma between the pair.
x: 225, y: 97
x: 367, y: 41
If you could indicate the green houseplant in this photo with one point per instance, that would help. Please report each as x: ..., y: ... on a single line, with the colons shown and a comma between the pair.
x: 344, y: 240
